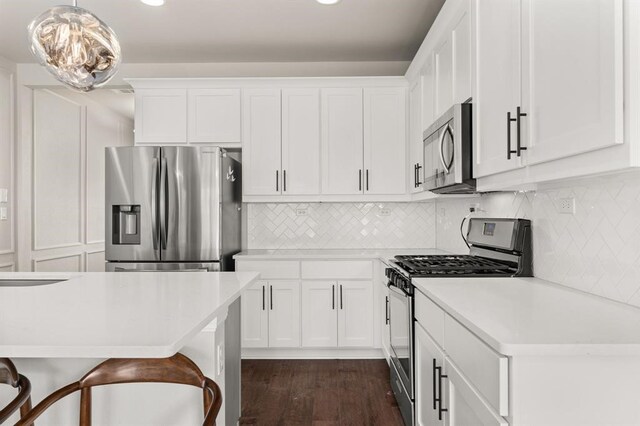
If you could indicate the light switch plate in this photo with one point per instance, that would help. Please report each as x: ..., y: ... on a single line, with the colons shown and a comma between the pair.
x: 4, y: 195
x: 3, y: 213
x: 566, y: 205
x: 220, y: 359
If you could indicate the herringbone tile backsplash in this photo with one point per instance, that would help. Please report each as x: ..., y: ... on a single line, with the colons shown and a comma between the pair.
x: 597, y: 250
x: 341, y: 225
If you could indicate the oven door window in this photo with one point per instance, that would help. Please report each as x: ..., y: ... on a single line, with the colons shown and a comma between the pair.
x: 401, y: 335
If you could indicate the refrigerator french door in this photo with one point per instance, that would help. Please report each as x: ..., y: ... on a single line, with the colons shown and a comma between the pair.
x: 171, y: 208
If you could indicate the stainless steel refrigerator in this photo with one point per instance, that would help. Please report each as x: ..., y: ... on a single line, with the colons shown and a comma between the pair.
x: 172, y: 208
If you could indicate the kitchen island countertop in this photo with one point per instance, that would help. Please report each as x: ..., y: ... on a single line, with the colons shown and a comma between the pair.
x: 112, y: 315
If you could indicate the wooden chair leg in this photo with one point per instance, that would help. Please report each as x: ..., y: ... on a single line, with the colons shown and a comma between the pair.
x: 85, y: 407
x: 26, y: 407
x: 207, y: 400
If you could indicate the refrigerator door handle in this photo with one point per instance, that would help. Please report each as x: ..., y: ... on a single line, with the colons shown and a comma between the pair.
x: 163, y: 203
x: 154, y: 203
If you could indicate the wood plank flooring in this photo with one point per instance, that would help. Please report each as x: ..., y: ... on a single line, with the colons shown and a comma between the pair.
x: 317, y: 392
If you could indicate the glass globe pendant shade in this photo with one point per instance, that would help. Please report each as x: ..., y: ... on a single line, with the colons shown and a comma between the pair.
x: 75, y: 46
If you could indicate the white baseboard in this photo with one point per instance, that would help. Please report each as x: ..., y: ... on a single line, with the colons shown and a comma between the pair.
x: 307, y: 353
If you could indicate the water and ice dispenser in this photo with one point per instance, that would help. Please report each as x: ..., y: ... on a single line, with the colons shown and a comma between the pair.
x: 126, y: 224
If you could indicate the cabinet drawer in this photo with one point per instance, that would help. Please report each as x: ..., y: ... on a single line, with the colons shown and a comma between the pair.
x: 337, y: 269
x: 430, y: 317
x: 487, y: 370
x: 279, y: 269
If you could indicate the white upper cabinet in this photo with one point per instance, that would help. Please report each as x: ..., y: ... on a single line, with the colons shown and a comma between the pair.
x: 443, y: 57
x: 462, y: 43
x: 355, y: 313
x: 261, y: 162
x: 385, y: 141
x: 573, y: 76
x: 161, y: 116
x: 498, y: 91
x: 549, y: 86
x: 415, y: 136
x: 214, y: 116
x: 342, y: 141
x: 300, y: 141
x: 428, y: 77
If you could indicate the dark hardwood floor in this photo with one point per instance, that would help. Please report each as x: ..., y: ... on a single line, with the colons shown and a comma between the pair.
x: 317, y: 392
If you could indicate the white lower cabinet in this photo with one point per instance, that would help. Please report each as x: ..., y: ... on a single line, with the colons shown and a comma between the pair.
x: 319, y: 316
x: 355, y: 314
x: 337, y: 313
x: 271, y: 315
x: 466, y: 406
x: 255, y: 316
x: 284, y: 314
x: 427, y: 386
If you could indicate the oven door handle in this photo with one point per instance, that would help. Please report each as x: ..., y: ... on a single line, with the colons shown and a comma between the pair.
x: 398, y: 290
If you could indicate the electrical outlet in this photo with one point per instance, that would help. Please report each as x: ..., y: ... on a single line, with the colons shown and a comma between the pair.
x: 566, y: 205
x: 4, y: 195
x: 3, y: 213
x: 384, y: 212
x: 301, y: 212
x: 220, y: 359
x: 474, y: 207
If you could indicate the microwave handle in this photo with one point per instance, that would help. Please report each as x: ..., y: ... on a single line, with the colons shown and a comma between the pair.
x: 447, y: 167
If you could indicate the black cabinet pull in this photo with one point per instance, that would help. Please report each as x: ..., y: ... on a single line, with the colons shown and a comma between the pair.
x: 367, y: 180
x: 277, y: 181
x: 415, y: 175
x: 509, y: 150
x: 284, y: 180
x: 271, y: 296
x: 360, y: 180
x: 439, y: 399
x: 340, y: 296
x: 418, y: 183
x: 333, y: 296
x: 435, y: 386
x: 263, y: 306
x: 519, y: 146
x: 386, y: 310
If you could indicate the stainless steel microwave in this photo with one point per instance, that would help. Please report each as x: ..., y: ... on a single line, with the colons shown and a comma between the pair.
x: 448, y: 153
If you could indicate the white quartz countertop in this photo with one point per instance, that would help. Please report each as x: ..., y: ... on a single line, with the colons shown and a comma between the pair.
x: 106, y: 315
x: 529, y: 316
x: 333, y: 253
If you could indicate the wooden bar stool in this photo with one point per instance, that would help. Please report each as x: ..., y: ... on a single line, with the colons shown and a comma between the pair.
x: 178, y: 369
x: 9, y: 376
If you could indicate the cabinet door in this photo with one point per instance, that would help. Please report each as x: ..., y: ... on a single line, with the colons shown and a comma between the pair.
x: 428, y: 75
x: 355, y: 314
x: 160, y: 116
x: 572, y: 76
x: 300, y: 141
x: 255, y: 316
x: 443, y: 57
x: 427, y: 380
x: 214, y: 116
x: 385, y: 141
x: 262, y: 139
x: 462, y: 51
x: 342, y: 141
x: 498, y: 84
x: 415, y: 137
x: 465, y: 405
x: 284, y: 314
x: 319, y: 314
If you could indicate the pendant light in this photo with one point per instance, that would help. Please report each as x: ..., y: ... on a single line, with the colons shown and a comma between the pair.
x: 75, y: 46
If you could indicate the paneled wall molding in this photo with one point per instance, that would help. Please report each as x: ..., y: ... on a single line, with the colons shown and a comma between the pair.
x: 7, y: 267
x: 7, y: 155
x: 61, y: 178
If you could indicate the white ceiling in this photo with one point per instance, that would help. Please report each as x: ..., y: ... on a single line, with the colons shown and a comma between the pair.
x: 191, y: 31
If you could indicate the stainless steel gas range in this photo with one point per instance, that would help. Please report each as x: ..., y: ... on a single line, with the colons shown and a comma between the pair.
x: 497, y: 248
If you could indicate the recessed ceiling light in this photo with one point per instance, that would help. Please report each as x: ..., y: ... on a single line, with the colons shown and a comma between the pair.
x: 328, y: 1
x: 153, y: 2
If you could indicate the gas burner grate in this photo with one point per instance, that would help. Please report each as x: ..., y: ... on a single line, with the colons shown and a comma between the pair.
x: 452, y: 265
